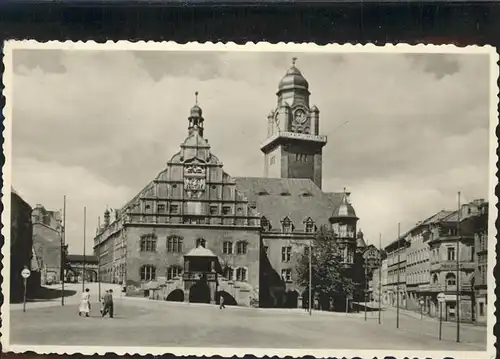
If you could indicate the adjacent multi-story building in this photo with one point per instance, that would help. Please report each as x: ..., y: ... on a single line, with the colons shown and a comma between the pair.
x: 429, y: 264
x: 195, y: 233
x: 21, y: 247
x: 418, y: 263
x: 47, y: 230
x: 481, y: 263
x: 395, y: 288
x: 451, y: 242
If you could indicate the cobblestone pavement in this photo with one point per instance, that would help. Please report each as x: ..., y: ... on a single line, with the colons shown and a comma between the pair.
x: 141, y: 322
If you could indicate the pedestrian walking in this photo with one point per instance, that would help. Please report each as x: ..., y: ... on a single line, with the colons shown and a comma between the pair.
x: 84, y: 306
x: 108, y: 304
x: 221, y: 301
x: 102, y: 302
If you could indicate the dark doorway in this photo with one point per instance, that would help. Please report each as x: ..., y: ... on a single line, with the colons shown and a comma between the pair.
x: 199, y: 293
x: 176, y: 295
x: 292, y: 299
x: 228, y: 298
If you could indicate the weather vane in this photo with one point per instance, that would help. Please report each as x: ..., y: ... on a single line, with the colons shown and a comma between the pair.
x: 294, y: 59
x: 196, y: 97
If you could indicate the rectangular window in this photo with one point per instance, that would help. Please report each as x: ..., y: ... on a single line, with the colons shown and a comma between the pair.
x: 481, y: 309
x: 161, y: 208
x: 451, y: 253
x: 226, y: 210
x: 174, y: 208
x: 286, y: 274
x: 286, y: 254
x: 214, y: 210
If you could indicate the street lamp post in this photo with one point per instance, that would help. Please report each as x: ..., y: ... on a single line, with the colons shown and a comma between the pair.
x: 84, y: 225
x: 310, y: 277
x: 458, y: 270
x: 63, y: 250
x: 379, y: 277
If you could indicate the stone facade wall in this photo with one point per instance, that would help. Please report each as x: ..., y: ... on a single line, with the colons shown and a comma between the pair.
x: 214, y: 237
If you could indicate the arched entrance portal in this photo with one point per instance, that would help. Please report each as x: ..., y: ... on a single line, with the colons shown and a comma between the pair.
x: 228, y: 298
x: 199, y: 293
x: 292, y: 299
x: 176, y: 295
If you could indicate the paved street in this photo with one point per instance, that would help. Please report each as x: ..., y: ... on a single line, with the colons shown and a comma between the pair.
x: 141, y: 322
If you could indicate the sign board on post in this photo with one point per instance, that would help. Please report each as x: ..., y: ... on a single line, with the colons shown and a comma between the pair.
x: 441, y: 297
x: 25, y: 273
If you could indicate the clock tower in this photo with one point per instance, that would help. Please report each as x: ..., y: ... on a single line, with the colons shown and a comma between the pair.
x: 293, y: 148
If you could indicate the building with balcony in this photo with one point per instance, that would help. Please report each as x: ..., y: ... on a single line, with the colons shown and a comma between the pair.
x: 47, y: 231
x: 481, y: 263
x: 395, y: 289
x: 195, y: 233
x: 451, y: 244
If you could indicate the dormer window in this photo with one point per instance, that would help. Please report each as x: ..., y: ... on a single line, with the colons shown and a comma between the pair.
x: 285, y: 193
x: 309, y: 225
x: 200, y: 242
x: 262, y: 193
x: 306, y: 194
x: 265, y: 224
x: 286, y: 225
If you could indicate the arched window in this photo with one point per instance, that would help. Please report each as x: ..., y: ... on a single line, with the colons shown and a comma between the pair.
x: 241, y: 247
x: 435, y: 279
x: 241, y: 274
x: 174, y: 244
x: 173, y: 272
x: 227, y: 247
x: 200, y: 242
x: 451, y: 279
x: 265, y: 224
x: 148, y: 243
x: 309, y: 225
x: 286, y: 225
x: 148, y: 272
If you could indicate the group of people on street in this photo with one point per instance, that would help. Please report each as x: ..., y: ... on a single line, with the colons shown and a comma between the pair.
x: 107, y: 306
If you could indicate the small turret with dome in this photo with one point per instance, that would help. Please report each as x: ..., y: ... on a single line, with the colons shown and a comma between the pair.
x: 360, y: 241
x: 196, y: 119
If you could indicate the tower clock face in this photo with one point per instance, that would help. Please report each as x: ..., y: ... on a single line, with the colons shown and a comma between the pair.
x: 300, y: 116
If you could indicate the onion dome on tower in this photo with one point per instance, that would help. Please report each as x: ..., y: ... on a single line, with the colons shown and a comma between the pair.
x: 293, y: 80
x: 345, y: 208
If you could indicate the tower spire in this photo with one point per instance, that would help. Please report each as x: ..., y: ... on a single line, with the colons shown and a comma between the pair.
x: 294, y: 59
x: 196, y: 97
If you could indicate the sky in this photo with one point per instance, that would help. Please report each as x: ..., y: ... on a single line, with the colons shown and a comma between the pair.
x: 97, y: 126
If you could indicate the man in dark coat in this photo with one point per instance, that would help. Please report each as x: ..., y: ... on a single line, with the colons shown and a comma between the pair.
x: 108, y: 303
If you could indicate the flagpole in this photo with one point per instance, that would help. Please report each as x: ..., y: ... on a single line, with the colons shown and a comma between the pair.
x: 397, y: 284
x: 458, y: 270
x: 63, y: 254
x: 379, y: 277
x: 84, y: 225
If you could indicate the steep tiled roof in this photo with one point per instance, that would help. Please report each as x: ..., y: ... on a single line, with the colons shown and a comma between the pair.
x: 344, y: 209
x: 276, y: 198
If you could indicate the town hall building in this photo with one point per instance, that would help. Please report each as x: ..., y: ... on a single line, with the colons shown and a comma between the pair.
x: 195, y: 232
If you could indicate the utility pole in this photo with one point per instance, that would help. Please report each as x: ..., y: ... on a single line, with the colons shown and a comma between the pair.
x: 63, y: 250
x: 99, y: 257
x: 310, y: 277
x: 379, y: 277
x: 397, y: 284
x: 458, y: 270
x: 84, y: 225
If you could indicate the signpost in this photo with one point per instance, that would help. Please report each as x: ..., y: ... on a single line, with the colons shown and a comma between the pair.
x: 441, y: 297
x: 25, y: 273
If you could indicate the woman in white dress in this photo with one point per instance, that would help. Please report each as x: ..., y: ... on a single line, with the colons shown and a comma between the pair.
x: 85, y: 303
